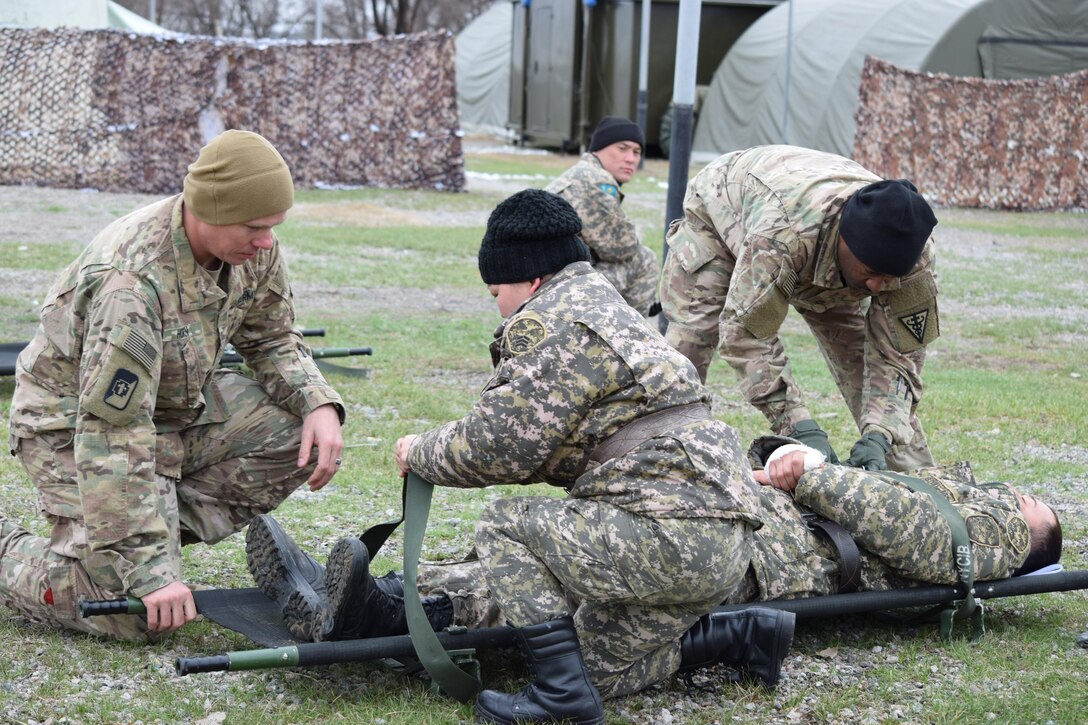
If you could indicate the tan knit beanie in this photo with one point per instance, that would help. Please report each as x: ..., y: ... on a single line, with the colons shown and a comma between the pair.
x: 239, y: 176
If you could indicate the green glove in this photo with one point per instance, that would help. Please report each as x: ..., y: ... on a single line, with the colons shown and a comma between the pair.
x: 807, y: 432
x: 870, y: 452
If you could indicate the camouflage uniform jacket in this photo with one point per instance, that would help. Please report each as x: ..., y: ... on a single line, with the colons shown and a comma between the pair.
x: 573, y: 365
x: 787, y: 203
x: 595, y: 195
x: 903, y: 538
x: 123, y: 358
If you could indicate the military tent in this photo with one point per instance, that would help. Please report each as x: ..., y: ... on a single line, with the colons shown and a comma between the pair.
x: 124, y: 19
x: 88, y: 14
x: 804, y: 92
x: 482, y: 63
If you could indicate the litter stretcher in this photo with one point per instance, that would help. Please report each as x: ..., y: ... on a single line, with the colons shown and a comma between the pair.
x: 448, y: 657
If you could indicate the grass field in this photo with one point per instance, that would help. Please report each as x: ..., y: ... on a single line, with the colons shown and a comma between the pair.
x: 1006, y: 388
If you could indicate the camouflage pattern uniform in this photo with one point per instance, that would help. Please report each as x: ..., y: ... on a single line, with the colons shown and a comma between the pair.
x: 759, y: 234
x: 612, y: 238
x: 645, y: 542
x: 135, y: 439
x: 903, y: 539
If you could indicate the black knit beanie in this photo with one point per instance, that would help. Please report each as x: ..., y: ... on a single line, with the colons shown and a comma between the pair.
x: 886, y: 225
x: 613, y: 129
x: 531, y: 234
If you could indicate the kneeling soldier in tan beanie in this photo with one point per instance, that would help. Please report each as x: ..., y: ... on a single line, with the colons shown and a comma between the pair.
x: 136, y: 438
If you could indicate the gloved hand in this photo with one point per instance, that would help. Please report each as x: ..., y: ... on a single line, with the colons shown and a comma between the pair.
x: 870, y: 452
x: 810, y: 434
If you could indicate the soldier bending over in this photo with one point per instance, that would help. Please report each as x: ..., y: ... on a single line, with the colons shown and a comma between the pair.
x: 778, y: 226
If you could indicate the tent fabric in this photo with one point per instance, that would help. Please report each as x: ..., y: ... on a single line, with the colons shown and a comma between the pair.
x: 482, y: 64
x: 1033, y: 39
x: 123, y: 19
x: 746, y: 105
x: 830, y: 41
x: 1006, y: 56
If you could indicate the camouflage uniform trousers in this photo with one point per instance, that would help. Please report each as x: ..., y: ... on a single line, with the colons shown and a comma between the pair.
x: 633, y: 584
x: 693, y: 300
x: 231, y: 472
x: 635, y: 278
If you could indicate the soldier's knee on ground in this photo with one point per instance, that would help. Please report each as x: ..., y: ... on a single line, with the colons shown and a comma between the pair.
x: 50, y: 595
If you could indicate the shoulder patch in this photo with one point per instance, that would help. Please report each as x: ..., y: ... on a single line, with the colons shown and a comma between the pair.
x: 945, y: 488
x: 914, y: 309
x: 121, y: 378
x: 118, y: 390
x: 915, y: 322
x: 524, y: 334
x: 768, y: 313
x: 983, y: 530
x: 1019, y: 534
x: 137, y: 346
x: 610, y: 189
x: 121, y: 388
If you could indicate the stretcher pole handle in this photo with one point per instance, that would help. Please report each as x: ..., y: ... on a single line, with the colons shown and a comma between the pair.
x: 94, y: 608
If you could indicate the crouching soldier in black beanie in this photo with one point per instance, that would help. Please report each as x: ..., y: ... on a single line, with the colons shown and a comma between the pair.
x: 610, y: 587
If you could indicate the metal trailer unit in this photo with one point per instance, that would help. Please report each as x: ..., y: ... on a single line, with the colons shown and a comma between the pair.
x: 574, y: 61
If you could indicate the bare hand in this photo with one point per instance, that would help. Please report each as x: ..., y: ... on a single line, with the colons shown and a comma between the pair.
x: 404, y: 445
x: 169, y: 608
x: 782, y: 473
x: 321, y: 428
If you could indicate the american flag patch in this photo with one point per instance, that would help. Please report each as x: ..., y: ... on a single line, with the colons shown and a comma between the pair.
x: 140, y: 349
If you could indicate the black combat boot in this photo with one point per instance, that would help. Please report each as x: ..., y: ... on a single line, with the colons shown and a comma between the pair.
x: 294, y: 579
x: 559, y: 689
x: 357, y: 605
x: 285, y: 574
x: 752, y: 641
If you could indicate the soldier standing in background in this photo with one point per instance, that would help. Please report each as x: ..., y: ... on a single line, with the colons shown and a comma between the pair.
x: 775, y: 226
x: 137, y: 441
x: 604, y: 584
x: 592, y: 187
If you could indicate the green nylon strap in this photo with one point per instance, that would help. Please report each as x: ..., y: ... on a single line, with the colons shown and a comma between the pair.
x: 454, y: 681
x: 961, y: 547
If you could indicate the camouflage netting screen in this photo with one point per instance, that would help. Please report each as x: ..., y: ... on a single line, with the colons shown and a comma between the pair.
x: 974, y: 142
x: 120, y: 112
